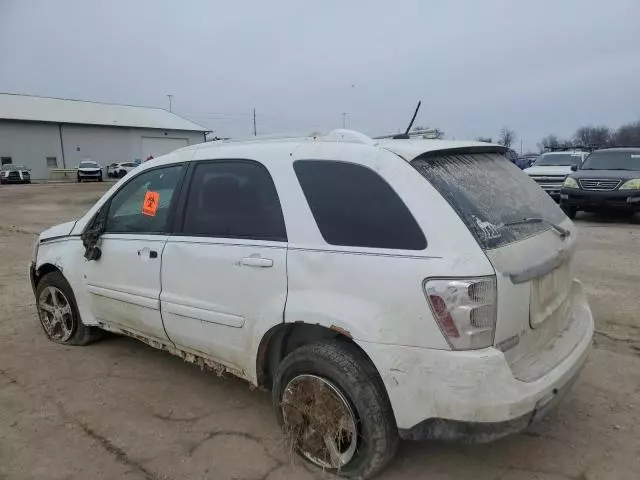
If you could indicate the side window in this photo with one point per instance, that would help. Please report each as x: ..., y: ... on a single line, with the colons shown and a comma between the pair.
x: 353, y: 206
x: 143, y: 204
x: 233, y: 199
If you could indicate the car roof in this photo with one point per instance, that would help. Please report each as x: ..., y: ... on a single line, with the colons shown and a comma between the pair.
x: 408, y: 149
x: 619, y: 149
x: 566, y: 152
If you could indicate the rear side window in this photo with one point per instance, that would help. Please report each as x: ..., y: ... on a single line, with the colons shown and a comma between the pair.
x: 353, y: 206
x: 233, y: 199
x: 490, y: 194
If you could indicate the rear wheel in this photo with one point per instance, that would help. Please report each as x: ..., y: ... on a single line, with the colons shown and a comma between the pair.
x: 334, y: 409
x: 58, y: 312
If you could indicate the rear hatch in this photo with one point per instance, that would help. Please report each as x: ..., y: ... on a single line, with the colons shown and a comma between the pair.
x: 530, y: 243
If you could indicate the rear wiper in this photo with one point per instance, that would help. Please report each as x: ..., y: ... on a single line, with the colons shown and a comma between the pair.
x: 563, y: 232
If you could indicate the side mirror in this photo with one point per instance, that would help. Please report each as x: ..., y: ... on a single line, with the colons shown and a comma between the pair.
x: 93, y: 253
x: 574, y: 168
x: 92, y: 234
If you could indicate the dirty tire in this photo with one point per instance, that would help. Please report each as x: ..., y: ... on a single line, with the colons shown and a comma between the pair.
x: 570, y: 212
x: 347, y: 368
x: 81, y: 334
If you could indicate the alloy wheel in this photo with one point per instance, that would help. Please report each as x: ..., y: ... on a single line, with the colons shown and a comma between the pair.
x: 56, y: 314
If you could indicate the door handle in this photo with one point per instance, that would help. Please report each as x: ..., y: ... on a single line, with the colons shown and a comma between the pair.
x: 256, y: 262
x: 146, y: 252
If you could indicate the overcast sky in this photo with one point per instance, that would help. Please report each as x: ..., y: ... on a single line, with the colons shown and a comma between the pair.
x: 539, y: 67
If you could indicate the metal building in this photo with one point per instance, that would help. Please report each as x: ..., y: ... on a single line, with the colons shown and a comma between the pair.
x: 45, y: 134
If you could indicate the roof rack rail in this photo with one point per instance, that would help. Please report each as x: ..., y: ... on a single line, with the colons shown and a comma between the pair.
x: 427, y: 133
x: 565, y: 148
x: 336, y: 135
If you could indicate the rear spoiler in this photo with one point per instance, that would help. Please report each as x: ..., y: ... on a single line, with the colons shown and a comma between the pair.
x: 463, y: 151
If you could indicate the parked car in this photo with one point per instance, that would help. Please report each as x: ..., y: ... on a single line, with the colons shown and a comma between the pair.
x: 378, y: 289
x: 551, y: 168
x: 119, y: 170
x: 89, y: 170
x: 529, y: 160
x: 609, y: 180
x: 10, y: 173
x: 110, y: 170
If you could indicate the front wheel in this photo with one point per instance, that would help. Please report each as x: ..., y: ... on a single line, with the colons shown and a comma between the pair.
x: 334, y: 409
x: 58, y: 312
x: 78, y: 178
x: 570, y: 212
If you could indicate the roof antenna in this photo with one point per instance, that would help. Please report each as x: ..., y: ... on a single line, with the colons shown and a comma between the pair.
x: 405, y: 135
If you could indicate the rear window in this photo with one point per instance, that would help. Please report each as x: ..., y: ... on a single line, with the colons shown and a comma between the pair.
x: 488, y: 192
x: 353, y: 206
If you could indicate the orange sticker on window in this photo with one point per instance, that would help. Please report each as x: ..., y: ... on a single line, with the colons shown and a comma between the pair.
x: 150, y: 205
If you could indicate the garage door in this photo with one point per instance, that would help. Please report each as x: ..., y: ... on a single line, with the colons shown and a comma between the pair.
x: 156, y: 146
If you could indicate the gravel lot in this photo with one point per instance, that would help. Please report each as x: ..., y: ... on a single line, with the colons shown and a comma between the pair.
x: 120, y: 409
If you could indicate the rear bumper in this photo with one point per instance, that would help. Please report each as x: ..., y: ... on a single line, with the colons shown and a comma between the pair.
x: 482, y: 432
x: 471, y: 395
x: 617, y: 199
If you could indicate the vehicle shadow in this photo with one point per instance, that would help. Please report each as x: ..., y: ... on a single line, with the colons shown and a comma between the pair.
x: 609, y: 217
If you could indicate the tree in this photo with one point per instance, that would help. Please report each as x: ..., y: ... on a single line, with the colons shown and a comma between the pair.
x: 627, y: 135
x: 550, y: 141
x: 507, y: 137
x: 484, y: 139
x: 589, y: 135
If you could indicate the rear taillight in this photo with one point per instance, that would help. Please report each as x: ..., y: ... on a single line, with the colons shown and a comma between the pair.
x: 465, y: 309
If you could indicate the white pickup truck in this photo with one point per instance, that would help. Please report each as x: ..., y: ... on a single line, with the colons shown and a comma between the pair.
x: 551, y: 168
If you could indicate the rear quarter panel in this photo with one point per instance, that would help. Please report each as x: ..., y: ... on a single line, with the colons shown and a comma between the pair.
x: 374, y: 294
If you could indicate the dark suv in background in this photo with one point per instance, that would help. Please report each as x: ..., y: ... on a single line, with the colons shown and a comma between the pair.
x: 609, y: 179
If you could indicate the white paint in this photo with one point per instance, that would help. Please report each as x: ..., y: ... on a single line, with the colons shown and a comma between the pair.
x: 123, y: 286
x: 216, y: 306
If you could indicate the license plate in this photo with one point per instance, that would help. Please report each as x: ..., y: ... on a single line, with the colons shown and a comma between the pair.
x: 548, y: 293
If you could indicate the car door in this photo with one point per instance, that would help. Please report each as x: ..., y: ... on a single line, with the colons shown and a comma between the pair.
x: 124, y: 283
x: 224, y: 278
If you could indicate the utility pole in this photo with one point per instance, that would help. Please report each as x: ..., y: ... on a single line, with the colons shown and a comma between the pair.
x: 170, y: 103
x: 255, y: 131
x: 344, y: 119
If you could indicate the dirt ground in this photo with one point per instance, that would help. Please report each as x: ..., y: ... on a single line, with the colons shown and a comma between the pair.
x: 120, y: 409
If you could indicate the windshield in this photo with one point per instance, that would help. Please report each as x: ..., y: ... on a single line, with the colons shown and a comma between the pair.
x: 613, y: 160
x: 488, y: 192
x: 558, y: 159
x: 88, y: 165
x: 11, y: 166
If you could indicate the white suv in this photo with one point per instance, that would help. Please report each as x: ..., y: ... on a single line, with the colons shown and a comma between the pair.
x: 401, y: 288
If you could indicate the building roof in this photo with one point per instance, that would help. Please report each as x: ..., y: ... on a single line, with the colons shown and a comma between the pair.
x: 58, y: 110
